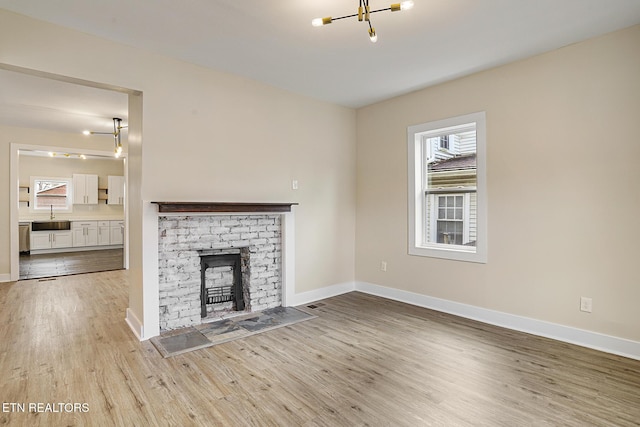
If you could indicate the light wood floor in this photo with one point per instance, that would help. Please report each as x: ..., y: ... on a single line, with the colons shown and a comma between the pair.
x: 363, y: 361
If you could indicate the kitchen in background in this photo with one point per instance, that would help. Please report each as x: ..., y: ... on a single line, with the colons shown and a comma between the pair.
x: 71, y: 213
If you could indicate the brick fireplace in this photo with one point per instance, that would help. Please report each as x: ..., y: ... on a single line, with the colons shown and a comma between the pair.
x: 189, y: 233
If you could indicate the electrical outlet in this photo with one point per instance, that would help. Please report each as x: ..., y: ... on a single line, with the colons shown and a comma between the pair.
x: 383, y: 265
x: 294, y: 184
x: 586, y: 304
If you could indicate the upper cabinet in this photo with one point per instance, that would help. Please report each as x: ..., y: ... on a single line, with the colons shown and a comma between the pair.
x: 115, y: 190
x: 85, y: 189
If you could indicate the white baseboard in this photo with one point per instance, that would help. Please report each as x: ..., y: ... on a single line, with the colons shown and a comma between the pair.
x: 135, y: 324
x: 5, y: 278
x: 594, y: 340
x: 322, y: 293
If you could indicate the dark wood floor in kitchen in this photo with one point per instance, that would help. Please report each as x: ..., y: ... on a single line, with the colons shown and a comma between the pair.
x: 68, y: 263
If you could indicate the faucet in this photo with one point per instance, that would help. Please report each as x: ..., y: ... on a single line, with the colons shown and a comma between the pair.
x: 52, y: 215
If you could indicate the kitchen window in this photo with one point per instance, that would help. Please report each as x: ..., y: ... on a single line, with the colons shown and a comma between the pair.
x: 51, y: 194
x: 447, y: 192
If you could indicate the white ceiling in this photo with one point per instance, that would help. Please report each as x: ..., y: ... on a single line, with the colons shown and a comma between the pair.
x: 274, y: 42
x: 41, y: 103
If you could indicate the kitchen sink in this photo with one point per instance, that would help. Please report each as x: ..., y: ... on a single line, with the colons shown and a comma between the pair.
x: 50, y: 225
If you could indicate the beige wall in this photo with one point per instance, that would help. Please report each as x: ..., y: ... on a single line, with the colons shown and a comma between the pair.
x: 212, y: 136
x: 562, y: 178
x: 563, y: 185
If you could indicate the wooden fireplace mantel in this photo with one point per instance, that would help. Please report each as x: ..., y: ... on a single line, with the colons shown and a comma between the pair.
x: 203, y: 207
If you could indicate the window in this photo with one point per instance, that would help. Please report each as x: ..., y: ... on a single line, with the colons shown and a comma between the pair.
x: 51, y: 194
x: 449, y: 220
x: 443, y: 142
x: 447, y: 196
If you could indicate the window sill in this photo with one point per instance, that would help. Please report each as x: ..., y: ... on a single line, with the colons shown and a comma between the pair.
x: 454, y: 254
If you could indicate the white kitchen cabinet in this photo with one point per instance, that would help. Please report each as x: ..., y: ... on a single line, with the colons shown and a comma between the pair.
x: 117, y: 232
x: 85, y: 189
x: 51, y: 240
x: 115, y: 190
x: 104, y: 233
x: 85, y: 233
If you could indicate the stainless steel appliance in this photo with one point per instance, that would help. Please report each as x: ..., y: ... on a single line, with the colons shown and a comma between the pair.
x: 24, y: 236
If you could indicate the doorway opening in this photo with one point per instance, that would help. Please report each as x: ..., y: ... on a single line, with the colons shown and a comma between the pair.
x: 84, y: 233
x: 71, y: 213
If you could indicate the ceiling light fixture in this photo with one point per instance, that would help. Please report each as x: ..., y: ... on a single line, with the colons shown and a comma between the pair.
x: 364, y: 14
x: 117, y: 127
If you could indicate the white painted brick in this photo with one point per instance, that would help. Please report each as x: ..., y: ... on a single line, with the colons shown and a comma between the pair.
x: 179, y: 262
x: 230, y: 237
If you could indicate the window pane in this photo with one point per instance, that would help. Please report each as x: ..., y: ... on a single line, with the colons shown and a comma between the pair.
x: 450, y: 232
x: 456, y: 169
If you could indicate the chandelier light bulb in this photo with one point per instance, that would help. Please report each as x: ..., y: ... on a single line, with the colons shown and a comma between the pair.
x: 406, y: 5
x: 372, y: 35
x: 319, y: 22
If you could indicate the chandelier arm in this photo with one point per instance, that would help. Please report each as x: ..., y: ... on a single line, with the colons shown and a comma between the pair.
x: 344, y: 17
x: 353, y: 15
x: 380, y: 10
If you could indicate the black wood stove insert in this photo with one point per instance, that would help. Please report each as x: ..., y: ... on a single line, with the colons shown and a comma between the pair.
x: 220, y: 294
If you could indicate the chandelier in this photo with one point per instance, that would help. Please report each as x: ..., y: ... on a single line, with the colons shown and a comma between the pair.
x: 364, y: 14
x: 117, y: 127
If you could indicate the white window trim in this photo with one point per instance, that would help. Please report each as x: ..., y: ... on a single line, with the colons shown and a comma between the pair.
x: 417, y: 205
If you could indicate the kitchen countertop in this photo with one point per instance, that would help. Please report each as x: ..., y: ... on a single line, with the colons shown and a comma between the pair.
x: 100, y: 218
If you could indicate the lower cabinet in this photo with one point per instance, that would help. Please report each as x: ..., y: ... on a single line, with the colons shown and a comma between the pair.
x: 51, y: 239
x: 116, y: 232
x: 82, y: 234
x: 104, y: 233
x: 85, y: 233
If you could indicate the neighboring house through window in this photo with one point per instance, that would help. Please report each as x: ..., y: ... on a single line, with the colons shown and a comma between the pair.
x: 447, y: 200
x: 443, y: 142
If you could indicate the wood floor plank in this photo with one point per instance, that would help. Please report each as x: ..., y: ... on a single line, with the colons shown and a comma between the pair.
x: 363, y: 361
